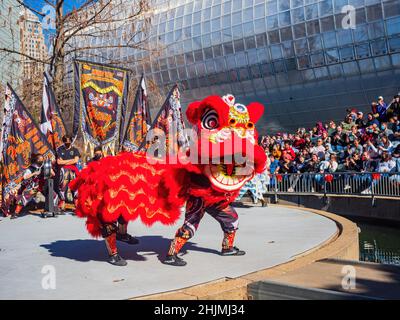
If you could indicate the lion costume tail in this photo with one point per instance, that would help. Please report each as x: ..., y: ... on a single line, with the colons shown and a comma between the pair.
x: 127, y: 185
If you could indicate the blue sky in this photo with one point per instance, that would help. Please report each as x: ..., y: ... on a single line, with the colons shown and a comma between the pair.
x: 39, y: 5
x: 69, y: 4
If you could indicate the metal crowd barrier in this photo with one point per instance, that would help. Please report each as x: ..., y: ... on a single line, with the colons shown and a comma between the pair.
x: 343, y: 183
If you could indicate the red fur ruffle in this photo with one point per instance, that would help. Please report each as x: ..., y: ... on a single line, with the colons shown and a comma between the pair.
x: 127, y: 185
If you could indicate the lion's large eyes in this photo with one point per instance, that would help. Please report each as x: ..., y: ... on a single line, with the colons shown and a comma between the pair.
x: 209, y: 120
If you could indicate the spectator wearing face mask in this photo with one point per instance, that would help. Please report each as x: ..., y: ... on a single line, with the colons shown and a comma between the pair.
x: 98, y: 154
x: 386, y: 131
x: 68, y: 158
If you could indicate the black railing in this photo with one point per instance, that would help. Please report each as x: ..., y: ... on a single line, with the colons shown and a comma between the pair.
x: 343, y: 183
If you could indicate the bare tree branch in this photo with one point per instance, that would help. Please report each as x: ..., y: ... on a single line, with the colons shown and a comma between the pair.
x: 33, y: 59
x: 125, y: 25
x: 23, y: 4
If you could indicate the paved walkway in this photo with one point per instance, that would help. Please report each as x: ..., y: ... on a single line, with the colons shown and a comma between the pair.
x: 29, y: 245
x: 372, y: 280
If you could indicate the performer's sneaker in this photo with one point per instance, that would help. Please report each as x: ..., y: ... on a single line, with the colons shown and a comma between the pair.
x: 264, y: 203
x: 235, y: 251
x: 61, y: 205
x: 127, y: 238
x: 117, y: 260
x: 174, y: 261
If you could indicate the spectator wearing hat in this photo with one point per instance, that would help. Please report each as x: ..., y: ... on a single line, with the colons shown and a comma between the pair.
x: 360, y: 123
x: 394, y: 106
x: 381, y: 109
x: 347, y: 123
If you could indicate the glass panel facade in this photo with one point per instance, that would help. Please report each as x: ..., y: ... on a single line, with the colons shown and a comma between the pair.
x: 261, y: 47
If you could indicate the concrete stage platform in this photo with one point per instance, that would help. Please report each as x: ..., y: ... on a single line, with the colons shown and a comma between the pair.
x: 271, y: 236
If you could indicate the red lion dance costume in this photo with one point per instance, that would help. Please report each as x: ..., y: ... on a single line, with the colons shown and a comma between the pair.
x: 120, y: 189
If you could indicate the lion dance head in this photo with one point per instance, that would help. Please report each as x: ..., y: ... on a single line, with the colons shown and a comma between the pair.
x: 226, y: 144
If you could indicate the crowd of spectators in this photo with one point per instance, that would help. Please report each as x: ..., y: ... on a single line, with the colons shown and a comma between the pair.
x: 360, y: 143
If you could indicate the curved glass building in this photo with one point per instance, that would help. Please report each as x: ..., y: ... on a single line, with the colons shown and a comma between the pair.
x: 294, y: 56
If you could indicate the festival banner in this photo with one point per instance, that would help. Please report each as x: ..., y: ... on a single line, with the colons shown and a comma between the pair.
x: 20, y: 138
x: 51, y: 123
x: 169, y: 124
x: 139, y: 121
x: 101, y: 93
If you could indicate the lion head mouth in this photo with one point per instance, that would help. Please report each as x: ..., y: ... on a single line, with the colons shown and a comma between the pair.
x: 228, y: 177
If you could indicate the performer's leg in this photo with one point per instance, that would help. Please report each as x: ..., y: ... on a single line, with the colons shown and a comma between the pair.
x: 122, y: 233
x: 17, y: 211
x: 23, y: 200
x: 72, y: 176
x: 194, y: 214
x: 109, y: 232
x: 61, y: 188
x: 228, y: 219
